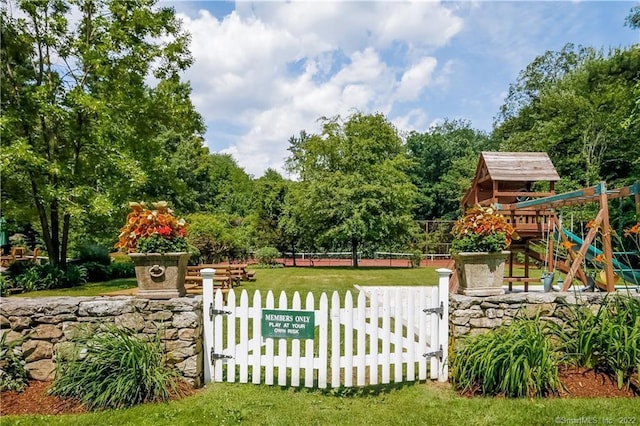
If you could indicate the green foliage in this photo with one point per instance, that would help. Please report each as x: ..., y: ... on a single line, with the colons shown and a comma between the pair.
x: 416, y: 258
x: 478, y: 243
x: 5, y: 284
x: 354, y: 186
x: 444, y: 162
x: 577, y: 105
x: 608, y: 340
x: 89, y: 252
x: 84, y: 127
x: 48, y: 276
x: 267, y: 255
x: 114, y: 368
x: 218, y: 236
x: 516, y: 360
x: 159, y: 244
x: 13, y: 374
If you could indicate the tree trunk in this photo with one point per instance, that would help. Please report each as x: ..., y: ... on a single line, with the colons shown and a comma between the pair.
x: 354, y: 252
x: 293, y: 251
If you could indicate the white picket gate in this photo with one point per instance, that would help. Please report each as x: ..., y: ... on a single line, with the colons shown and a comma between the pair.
x: 389, y: 335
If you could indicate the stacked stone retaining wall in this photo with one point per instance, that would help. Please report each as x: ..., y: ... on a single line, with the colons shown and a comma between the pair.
x: 474, y: 315
x: 51, y: 323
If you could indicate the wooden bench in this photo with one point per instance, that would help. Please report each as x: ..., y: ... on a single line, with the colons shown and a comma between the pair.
x: 220, y: 280
x: 240, y: 271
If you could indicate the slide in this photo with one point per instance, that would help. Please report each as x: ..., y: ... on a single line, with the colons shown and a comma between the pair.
x: 631, y: 276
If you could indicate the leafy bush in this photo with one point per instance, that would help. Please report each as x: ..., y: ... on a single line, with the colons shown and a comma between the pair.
x: 117, y: 369
x: 608, y: 340
x: 54, y: 277
x: 29, y: 279
x: 267, y: 255
x: 5, y: 284
x: 97, y: 271
x: 43, y: 277
x: 122, y: 270
x: 157, y: 243
x: 416, y: 258
x: 515, y: 361
x: 13, y: 374
x: 93, y: 253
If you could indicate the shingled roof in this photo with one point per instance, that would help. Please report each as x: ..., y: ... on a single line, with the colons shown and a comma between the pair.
x: 519, y: 166
x: 499, y: 174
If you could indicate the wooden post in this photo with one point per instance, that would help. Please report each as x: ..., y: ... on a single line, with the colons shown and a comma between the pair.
x: 510, y: 269
x: 583, y: 250
x: 526, y: 268
x: 606, y: 237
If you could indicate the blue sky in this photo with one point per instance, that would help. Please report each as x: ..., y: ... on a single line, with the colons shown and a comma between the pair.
x: 265, y: 70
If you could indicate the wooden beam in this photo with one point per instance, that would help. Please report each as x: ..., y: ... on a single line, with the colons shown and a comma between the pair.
x: 583, y: 250
x: 522, y: 194
x: 606, y: 238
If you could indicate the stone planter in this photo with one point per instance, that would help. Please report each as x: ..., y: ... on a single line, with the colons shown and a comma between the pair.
x: 160, y: 276
x: 480, y: 274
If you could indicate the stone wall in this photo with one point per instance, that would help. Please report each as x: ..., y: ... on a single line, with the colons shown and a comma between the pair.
x: 51, y: 323
x: 473, y: 315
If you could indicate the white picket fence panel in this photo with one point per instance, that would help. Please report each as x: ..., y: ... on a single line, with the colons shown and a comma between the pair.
x: 384, y: 336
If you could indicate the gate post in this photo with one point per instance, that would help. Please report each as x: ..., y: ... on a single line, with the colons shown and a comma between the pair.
x: 443, y: 324
x: 207, y: 321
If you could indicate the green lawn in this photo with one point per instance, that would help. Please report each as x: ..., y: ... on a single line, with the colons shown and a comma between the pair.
x: 90, y: 289
x: 421, y: 404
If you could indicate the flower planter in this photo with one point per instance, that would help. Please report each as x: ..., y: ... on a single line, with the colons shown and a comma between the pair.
x: 160, y: 276
x: 480, y: 274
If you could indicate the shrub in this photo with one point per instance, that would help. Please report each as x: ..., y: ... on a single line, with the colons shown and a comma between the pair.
x: 515, y: 361
x: 43, y: 277
x: 93, y: 253
x: 608, y: 340
x: 54, y: 277
x: 13, y: 374
x: 267, y: 255
x: 29, y: 279
x: 122, y: 270
x: 117, y: 369
x: 97, y: 272
x: 416, y: 258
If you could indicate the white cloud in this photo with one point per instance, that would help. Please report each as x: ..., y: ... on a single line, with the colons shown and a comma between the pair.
x: 416, y: 78
x: 270, y: 69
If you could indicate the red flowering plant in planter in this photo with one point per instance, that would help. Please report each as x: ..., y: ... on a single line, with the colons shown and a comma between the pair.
x: 152, y: 231
x: 481, y: 229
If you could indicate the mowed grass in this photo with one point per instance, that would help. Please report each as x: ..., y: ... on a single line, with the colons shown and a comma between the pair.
x: 89, y: 289
x: 410, y: 404
x: 303, y: 280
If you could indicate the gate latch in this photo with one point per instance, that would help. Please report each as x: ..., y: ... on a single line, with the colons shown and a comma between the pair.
x: 439, y: 310
x: 437, y: 354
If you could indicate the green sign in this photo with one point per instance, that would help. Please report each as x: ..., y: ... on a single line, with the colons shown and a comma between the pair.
x: 281, y: 324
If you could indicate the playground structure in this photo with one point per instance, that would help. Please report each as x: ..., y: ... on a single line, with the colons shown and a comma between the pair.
x: 505, y: 180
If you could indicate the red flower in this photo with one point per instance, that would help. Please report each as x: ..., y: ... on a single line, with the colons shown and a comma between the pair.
x: 165, y: 231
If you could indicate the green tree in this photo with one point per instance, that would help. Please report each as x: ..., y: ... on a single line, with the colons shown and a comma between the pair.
x: 270, y: 192
x: 444, y: 162
x: 578, y: 119
x: 353, y: 177
x: 82, y: 127
x: 218, y: 236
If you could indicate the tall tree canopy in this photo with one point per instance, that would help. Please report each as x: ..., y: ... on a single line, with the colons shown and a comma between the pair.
x: 83, y: 127
x: 444, y: 161
x: 581, y: 118
x: 354, y: 181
